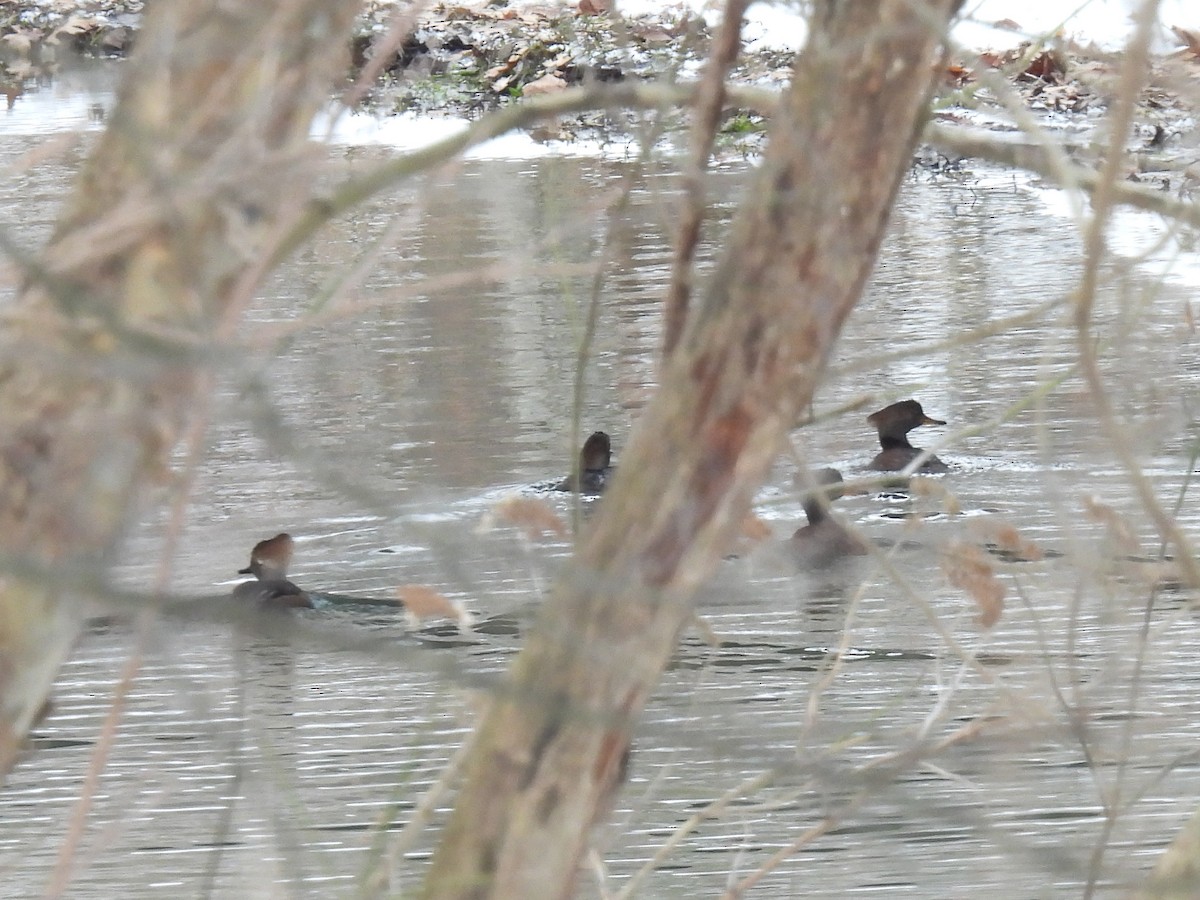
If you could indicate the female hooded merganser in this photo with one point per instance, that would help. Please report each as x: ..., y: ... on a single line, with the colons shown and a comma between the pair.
x: 893, y: 424
x: 595, y: 466
x: 824, y: 541
x: 269, y: 561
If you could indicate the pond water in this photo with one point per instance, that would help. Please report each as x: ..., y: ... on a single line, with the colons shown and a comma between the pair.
x: 860, y: 716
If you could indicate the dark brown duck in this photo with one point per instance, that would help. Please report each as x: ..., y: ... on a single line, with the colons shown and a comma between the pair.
x: 824, y: 540
x: 893, y: 424
x: 595, y: 466
x: 269, y: 561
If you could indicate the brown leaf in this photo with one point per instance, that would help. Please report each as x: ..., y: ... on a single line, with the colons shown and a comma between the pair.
x: 958, y: 75
x: 421, y: 602
x: 1009, y: 542
x: 115, y: 38
x: 547, y: 84
x: 502, y: 69
x: 1191, y: 40
x: 595, y: 7
x: 968, y: 569
x: 534, y: 517
x: 1047, y: 65
x: 653, y: 35
x: 924, y: 486
x: 706, y: 631
x: 19, y: 41
x: 1118, y: 528
x: 754, y: 528
x: 74, y: 25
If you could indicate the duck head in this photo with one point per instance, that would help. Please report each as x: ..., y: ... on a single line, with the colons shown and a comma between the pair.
x: 596, y: 453
x: 270, y: 558
x: 895, y: 422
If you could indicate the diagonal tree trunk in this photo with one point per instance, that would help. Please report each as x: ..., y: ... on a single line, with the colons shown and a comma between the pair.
x: 204, y: 154
x: 553, y: 747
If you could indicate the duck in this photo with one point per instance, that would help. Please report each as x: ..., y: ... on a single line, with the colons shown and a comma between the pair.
x: 824, y: 540
x: 269, y: 561
x: 893, y: 424
x: 595, y: 466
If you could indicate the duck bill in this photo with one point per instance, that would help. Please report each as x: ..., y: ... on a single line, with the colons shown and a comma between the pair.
x: 929, y: 420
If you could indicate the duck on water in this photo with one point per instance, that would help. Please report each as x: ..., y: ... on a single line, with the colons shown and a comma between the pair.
x: 269, y: 561
x: 824, y: 540
x: 595, y: 466
x: 893, y: 424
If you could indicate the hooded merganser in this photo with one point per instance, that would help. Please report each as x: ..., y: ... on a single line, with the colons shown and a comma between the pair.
x: 269, y: 561
x: 893, y: 424
x: 824, y: 541
x: 595, y: 466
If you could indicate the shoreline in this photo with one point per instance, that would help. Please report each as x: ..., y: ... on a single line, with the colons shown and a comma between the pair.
x: 462, y: 62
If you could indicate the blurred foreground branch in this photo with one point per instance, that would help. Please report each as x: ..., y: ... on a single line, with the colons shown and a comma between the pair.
x: 1027, y: 155
x: 554, y: 747
x: 1035, y: 158
x: 105, y: 349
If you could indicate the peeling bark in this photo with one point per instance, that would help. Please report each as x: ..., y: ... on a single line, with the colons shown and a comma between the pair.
x: 550, y: 753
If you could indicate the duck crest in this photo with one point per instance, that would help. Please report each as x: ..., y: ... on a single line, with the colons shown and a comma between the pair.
x: 269, y: 561
x: 893, y: 423
x: 595, y: 466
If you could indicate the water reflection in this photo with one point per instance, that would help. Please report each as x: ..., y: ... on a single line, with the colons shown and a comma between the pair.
x: 868, y: 693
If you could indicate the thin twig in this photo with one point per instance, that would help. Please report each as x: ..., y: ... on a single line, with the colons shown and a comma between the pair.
x: 710, y: 102
x: 1133, y: 75
x: 404, y: 22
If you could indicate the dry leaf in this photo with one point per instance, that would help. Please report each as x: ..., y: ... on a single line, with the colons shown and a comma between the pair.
x: 1160, y: 573
x: 422, y: 603
x: 74, y: 25
x: 502, y: 69
x: 924, y: 486
x: 19, y: 41
x: 1047, y: 65
x: 535, y: 518
x: 707, y: 634
x: 1008, y: 542
x: 547, y: 84
x: 595, y: 7
x: 754, y: 528
x: 1116, y: 525
x: 1191, y: 40
x: 957, y: 75
x: 115, y: 38
x: 653, y: 35
x: 969, y: 570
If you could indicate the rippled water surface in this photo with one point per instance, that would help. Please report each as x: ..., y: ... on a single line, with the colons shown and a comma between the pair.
x: 859, y: 717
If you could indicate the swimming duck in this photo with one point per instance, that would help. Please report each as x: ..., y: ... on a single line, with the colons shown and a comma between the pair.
x: 269, y: 561
x: 824, y: 541
x: 893, y: 424
x: 595, y: 466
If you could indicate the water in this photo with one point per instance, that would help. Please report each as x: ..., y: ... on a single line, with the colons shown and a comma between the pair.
x: 933, y: 757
